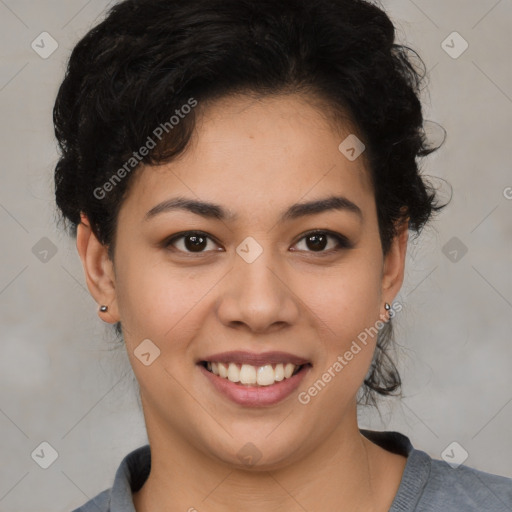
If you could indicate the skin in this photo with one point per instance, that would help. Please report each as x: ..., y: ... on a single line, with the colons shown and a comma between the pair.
x: 255, y: 158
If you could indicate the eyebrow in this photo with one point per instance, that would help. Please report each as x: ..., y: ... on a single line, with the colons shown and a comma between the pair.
x: 215, y: 211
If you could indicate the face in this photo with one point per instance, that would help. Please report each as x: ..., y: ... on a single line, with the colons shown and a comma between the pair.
x: 250, y: 276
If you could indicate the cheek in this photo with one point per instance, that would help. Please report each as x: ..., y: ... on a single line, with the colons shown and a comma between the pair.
x: 142, y: 295
x: 348, y: 326
x: 346, y: 306
x: 159, y: 302
x: 347, y: 299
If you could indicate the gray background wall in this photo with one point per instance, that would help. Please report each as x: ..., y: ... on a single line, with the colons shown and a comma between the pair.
x: 62, y: 379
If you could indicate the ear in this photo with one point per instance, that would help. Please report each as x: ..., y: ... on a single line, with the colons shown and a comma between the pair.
x: 98, y: 268
x: 394, y: 262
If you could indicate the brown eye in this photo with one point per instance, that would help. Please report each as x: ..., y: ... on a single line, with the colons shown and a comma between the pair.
x: 191, y: 242
x: 195, y: 243
x: 318, y: 241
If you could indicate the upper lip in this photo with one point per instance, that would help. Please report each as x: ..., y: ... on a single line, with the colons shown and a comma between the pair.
x: 262, y: 359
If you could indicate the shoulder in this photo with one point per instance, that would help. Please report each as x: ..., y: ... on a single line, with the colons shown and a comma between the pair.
x: 130, y: 476
x: 101, y: 503
x: 432, y: 485
x: 464, y: 488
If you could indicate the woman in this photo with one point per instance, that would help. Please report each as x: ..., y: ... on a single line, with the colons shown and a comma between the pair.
x: 241, y: 177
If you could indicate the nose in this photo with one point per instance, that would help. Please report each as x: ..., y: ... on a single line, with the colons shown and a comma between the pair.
x: 258, y: 296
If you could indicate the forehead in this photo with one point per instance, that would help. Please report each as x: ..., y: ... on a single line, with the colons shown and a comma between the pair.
x: 252, y: 152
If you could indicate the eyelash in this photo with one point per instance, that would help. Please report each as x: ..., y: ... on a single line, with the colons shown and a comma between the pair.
x: 342, y: 241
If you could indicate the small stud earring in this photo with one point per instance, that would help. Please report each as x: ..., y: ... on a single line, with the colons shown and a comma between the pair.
x: 387, y: 307
x: 103, y: 309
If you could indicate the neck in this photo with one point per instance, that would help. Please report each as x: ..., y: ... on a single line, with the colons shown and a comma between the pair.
x: 347, y: 469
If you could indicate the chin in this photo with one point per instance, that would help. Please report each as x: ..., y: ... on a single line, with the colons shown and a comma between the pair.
x: 256, y: 452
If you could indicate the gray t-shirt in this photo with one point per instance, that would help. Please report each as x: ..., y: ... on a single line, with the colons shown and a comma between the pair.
x: 427, y: 485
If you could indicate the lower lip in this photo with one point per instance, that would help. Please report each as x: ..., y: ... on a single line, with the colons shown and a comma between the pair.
x: 256, y: 396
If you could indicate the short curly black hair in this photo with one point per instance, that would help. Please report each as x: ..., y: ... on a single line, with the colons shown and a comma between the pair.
x: 148, y: 58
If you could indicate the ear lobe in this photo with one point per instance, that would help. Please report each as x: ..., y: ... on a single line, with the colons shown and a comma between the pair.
x: 98, y: 269
x: 394, y: 262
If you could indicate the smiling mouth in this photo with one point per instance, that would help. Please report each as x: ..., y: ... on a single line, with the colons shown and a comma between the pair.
x: 249, y: 375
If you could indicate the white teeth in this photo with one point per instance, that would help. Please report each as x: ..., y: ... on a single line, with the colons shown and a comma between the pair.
x: 233, y: 373
x: 248, y: 374
x: 288, y: 370
x: 266, y: 375
x: 223, y: 370
x: 251, y: 375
